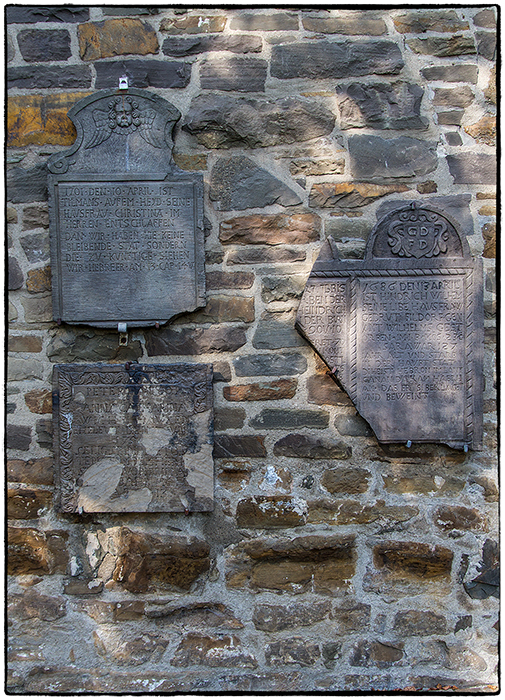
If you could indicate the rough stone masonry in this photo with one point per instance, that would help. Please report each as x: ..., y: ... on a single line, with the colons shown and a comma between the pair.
x: 330, y: 562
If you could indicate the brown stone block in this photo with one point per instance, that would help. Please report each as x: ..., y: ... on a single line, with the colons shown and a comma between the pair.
x: 36, y: 215
x: 461, y: 96
x: 322, y: 389
x: 414, y: 559
x: 116, y: 37
x: 449, y: 518
x: 24, y: 343
x: 39, y: 401
x: 293, y: 576
x: 271, y: 229
x: 271, y: 511
x: 483, y: 131
x: 275, y: 618
x: 267, y: 256
x: 234, y: 475
x: 212, y: 651
x: 308, y: 447
x: 41, y: 119
x: 239, y: 446
x: 33, y: 604
x: 262, y: 391
x: 346, y: 480
x: 31, y: 551
x: 316, y: 166
x: 129, y: 610
x: 229, y: 280
x: 410, y: 623
x: 11, y: 215
x: 456, y: 45
x: 489, y: 234
x: 349, y: 195
x: 292, y: 651
x: 222, y: 309
x: 26, y: 504
x: 33, y: 471
x: 488, y: 210
x: 432, y: 21
x: 194, y: 161
x: 128, y: 649
x: 38, y: 309
x: 144, y: 560
x: 196, y: 615
x: 39, y: 280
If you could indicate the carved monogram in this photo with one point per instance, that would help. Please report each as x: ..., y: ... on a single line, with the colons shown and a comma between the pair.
x: 418, y: 234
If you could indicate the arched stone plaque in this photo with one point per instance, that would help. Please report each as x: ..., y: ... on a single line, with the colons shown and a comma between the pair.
x: 402, y: 330
x: 127, y: 240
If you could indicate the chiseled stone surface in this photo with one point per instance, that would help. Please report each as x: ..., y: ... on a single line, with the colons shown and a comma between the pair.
x: 116, y: 37
x: 44, y: 44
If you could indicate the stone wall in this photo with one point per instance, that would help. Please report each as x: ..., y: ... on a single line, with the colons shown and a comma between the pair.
x: 331, y: 562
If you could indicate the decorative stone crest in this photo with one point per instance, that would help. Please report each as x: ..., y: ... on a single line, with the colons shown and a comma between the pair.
x: 402, y: 330
x: 124, y: 117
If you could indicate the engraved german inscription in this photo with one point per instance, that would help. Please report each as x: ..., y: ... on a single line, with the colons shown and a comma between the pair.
x: 126, y: 223
x: 134, y: 440
x: 403, y: 330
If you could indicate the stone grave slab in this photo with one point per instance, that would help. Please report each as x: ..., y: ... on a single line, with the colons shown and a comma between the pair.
x: 402, y: 329
x: 133, y: 438
x: 126, y: 224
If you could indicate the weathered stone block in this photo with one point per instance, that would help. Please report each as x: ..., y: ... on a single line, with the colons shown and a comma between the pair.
x: 459, y: 73
x: 292, y: 651
x: 414, y: 559
x: 265, y: 256
x: 189, y: 46
x: 452, y: 118
x: 483, y: 131
x: 346, y: 480
x: 32, y: 551
x: 358, y: 24
x: 381, y: 106
x: 317, y: 166
x: 239, y: 183
x: 144, y: 560
x: 473, y: 168
x: 18, y: 437
x: 449, y: 518
x: 33, y: 604
x: 335, y: 60
x: 282, y: 288
x: 287, y: 364
x: 418, y: 22
x: 219, y: 121
x: 39, y: 280
x: 15, y: 277
x: 36, y: 215
x: 279, y: 21
x: 349, y: 195
x: 128, y: 649
x: 212, y: 651
x: 462, y: 96
x: 379, y: 654
x: 169, y: 341
x: 486, y: 45
x: 143, y: 73
x: 60, y: 13
x: 218, y: 279
x: 235, y: 74
x: 456, y: 45
x: 308, y: 447
x: 89, y: 346
x: 321, y: 389
x: 27, y: 185
x: 411, y: 623
x: 36, y: 247
x: 239, y: 446
x: 489, y: 235
x: 33, y: 471
x: 375, y: 157
x: 275, y: 618
x: 351, y: 616
x: 485, y: 18
x: 193, y: 24
x: 39, y: 77
x: 228, y: 418
x: 195, y: 615
x: 44, y: 45
x: 39, y: 401
x: 352, y: 425
x: 26, y: 504
x: 271, y: 511
x: 19, y: 369
x: 222, y: 309
x: 262, y: 391
x: 276, y: 330
x: 116, y: 37
x: 279, y: 419
x: 273, y: 229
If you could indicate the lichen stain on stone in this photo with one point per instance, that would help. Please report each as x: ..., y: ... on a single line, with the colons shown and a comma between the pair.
x: 154, y: 439
x: 99, y: 483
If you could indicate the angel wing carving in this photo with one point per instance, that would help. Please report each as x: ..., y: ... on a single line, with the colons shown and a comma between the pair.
x: 155, y: 138
x: 103, y: 128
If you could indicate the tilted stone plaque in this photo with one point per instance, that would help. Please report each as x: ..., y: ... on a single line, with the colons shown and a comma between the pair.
x: 126, y: 224
x: 133, y: 438
x: 402, y: 330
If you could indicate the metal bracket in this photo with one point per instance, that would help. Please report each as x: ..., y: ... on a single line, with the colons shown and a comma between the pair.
x: 123, y: 333
x: 123, y: 82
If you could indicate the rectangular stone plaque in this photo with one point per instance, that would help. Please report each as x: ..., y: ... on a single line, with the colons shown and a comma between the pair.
x: 126, y: 224
x: 402, y: 330
x: 134, y: 437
